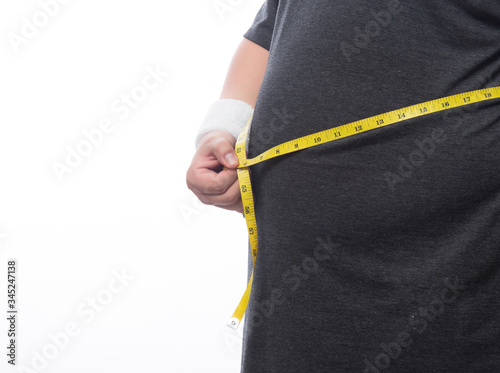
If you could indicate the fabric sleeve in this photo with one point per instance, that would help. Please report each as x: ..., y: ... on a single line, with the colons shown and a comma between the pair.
x: 261, y: 31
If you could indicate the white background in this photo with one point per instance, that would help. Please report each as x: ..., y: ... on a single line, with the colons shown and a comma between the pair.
x: 124, y: 207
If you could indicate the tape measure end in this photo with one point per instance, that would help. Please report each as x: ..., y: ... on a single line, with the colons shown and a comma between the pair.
x: 233, y: 323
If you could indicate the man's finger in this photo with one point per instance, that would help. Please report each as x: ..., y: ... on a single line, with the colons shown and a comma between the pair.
x: 230, y: 198
x: 209, y: 182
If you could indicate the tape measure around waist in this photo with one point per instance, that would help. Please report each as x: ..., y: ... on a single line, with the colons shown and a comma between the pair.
x: 332, y: 134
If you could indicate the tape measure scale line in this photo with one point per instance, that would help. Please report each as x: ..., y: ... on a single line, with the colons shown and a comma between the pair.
x: 246, y: 189
x: 248, y: 208
x: 380, y: 120
x: 249, y: 213
x: 325, y: 136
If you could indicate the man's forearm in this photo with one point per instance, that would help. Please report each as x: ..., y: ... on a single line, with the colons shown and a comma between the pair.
x: 246, y: 72
x: 239, y: 92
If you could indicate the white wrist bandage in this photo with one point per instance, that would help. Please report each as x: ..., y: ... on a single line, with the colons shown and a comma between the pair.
x: 226, y: 115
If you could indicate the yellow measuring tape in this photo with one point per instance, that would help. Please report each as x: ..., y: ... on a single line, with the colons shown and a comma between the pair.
x: 332, y: 134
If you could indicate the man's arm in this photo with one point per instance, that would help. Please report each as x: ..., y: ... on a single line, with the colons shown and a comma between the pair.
x: 205, y: 177
x: 246, y: 72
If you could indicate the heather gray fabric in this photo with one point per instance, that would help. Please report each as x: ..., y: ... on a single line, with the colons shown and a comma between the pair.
x: 379, y: 252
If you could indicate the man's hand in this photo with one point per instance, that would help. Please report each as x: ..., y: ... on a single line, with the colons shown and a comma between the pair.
x: 206, y: 177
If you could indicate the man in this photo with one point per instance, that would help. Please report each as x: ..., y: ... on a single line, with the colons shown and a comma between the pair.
x: 409, y: 214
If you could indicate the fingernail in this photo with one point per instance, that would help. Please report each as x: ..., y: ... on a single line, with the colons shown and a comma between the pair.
x: 231, y: 159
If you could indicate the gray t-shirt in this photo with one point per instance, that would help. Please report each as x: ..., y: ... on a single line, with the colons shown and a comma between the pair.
x: 378, y: 252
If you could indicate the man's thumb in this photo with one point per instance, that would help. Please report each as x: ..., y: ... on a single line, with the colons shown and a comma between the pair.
x: 230, y: 160
x: 226, y: 155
